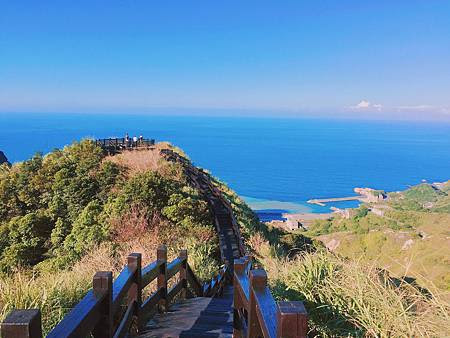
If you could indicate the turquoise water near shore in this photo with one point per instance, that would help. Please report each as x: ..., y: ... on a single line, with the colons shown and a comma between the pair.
x: 276, y: 163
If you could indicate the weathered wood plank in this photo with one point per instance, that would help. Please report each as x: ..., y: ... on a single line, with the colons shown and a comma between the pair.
x: 81, y: 320
x: 266, y: 310
x: 121, y: 286
x: 174, y: 266
x: 124, y: 326
x: 22, y: 323
x: 152, y: 301
x: 161, y: 256
x: 194, y: 282
x: 174, y: 291
x: 292, y: 320
x: 150, y: 272
x: 196, y: 317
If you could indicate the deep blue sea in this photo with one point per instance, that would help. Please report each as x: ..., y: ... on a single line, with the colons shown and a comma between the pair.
x: 276, y: 164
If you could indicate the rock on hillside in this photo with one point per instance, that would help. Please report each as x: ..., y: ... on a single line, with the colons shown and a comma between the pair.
x: 3, y: 158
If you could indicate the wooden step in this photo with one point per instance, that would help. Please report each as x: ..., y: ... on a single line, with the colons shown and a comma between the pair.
x: 195, y: 317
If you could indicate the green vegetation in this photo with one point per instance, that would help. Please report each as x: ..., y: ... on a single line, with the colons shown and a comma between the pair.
x: 409, y: 238
x: 57, y: 209
x: 422, y: 197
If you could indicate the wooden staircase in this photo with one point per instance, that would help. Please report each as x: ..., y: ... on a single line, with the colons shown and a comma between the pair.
x: 195, y: 317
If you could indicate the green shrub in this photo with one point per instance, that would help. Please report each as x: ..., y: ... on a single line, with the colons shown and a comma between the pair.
x: 26, y: 241
x: 89, y: 229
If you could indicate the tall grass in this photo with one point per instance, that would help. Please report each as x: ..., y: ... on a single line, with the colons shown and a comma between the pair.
x: 53, y: 294
x: 139, y: 161
x: 352, y: 298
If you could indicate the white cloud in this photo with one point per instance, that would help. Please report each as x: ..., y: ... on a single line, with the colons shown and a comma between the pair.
x: 366, y: 105
x: 425, y: 108
x: 421, y: 107
x: 363, y: 104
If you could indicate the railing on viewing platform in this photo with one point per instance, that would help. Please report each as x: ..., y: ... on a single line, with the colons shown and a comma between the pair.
x: 113, y: 145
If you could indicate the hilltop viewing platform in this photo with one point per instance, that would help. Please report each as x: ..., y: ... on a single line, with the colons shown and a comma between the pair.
x: 115, y: 145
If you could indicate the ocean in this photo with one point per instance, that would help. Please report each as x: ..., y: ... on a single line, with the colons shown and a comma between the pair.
x: 275, y: 164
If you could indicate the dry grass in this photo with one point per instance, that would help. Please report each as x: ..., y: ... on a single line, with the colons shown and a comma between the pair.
x: 139, y: 161
x: 55, y: 293
x: 353, y: 298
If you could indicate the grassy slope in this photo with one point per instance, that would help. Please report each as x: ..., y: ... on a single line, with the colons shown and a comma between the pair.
x: 422, y: 252
x: 409, y: 240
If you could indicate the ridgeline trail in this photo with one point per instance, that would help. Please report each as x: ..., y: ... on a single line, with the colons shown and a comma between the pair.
x: 235, y: 303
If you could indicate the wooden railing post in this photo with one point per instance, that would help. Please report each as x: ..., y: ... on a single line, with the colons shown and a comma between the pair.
x: 183, y: 273
x: 102, y: 287
x: 292, y: 320
x: 258, y: 281
x: 161, y: 256
x: 134, y: 261
x: 239, y: 268
x: 22, y: 324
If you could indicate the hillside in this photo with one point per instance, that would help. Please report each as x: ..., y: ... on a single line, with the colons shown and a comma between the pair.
x: 408, y: 234
x: 75, y: 211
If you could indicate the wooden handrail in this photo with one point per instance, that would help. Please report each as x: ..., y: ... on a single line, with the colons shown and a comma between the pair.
x: 174, y: 267
x: 122, y: 285
x: 95, y: 312
x: 124, y: 326
x: 256, y: 314
x: 150, y: 272
x: 86, y: 315
x: 194, y: 282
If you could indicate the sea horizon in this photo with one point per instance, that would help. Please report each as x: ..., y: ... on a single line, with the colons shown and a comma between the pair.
x: 272, y: 166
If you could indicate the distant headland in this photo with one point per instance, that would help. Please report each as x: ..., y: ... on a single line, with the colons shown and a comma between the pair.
x: 3, y: 158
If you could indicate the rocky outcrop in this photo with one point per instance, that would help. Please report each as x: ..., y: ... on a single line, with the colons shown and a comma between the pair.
x: 369, y: 195
x: 3, y: 158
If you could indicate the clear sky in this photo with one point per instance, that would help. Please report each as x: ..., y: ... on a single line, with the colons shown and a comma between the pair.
x: 342, y: 58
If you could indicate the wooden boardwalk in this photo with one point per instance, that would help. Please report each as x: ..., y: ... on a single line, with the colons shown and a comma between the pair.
x: 195, y: 317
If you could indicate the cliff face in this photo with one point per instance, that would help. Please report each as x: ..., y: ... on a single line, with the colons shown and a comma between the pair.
x: 3, y: 158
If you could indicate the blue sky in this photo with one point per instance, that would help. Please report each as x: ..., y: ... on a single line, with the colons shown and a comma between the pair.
x: 387, y: 59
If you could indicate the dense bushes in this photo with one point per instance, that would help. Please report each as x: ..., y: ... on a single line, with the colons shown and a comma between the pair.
x: 58, y: 206
x: 70, y: 213
x: 44, y: 199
